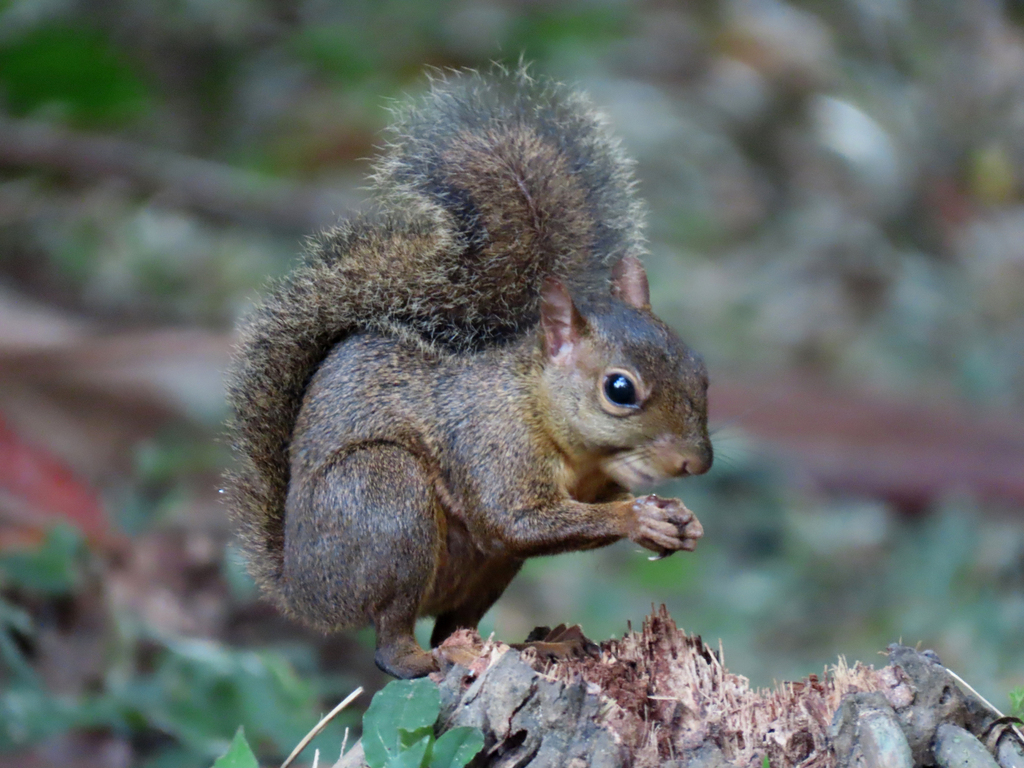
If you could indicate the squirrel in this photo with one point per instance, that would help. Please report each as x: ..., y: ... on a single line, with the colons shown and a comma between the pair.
x: 467, y: 376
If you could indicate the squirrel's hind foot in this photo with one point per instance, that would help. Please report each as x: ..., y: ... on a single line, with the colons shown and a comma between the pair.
x: 405, y: 659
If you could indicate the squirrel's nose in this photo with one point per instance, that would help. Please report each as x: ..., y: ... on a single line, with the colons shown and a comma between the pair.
x: 691, y: 465
x: 677, y: 458
x: 695, y: 462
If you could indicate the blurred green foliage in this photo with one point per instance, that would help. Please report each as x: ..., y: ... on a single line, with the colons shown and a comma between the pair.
x: 338, y: 50
x: 185, y: 697
x: 53, y: 570
x: 190, y: 702
x: 71, y: 72
x: 546, y: 32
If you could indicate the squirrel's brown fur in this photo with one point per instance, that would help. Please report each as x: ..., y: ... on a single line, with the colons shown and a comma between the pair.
x: 492, y: 190
x: 478, y: 168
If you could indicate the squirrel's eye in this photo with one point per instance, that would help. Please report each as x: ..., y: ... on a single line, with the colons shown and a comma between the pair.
x: 620, y: 390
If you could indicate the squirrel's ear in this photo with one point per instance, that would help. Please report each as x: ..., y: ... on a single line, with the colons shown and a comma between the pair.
x: 629, y: 283
x: 560, y: 320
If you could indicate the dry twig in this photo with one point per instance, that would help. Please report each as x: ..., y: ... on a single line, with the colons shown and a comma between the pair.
x: 320, y: 726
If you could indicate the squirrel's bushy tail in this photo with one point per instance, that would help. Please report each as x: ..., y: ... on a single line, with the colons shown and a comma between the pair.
x: 488, y: 184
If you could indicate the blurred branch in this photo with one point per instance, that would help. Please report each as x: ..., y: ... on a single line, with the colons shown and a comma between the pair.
x: 87, y: 397
x: 174, y: 371
x: 907, y: 453
x: 174, y: 179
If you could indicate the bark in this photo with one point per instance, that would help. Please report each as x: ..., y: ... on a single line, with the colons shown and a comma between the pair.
x: 659, y: 697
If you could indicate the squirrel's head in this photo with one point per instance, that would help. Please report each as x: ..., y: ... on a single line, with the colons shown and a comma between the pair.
x: 621, y: 384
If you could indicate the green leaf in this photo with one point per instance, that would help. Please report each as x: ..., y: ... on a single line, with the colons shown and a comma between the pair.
x: 403, y: 705
x: 200, y: 691
x: 239, y: 754
x: 764, y: 763
x: 1017, y: 702
x: 407, y: 738
x: 456, y: 747
x: 413, y: 757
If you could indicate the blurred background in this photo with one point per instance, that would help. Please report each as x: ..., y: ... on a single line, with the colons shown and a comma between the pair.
x: 836, y: 195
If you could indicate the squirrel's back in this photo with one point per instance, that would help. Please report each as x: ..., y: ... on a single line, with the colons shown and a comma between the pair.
x: 489, y: 184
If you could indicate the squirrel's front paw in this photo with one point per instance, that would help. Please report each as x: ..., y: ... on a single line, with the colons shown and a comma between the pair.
x: 664, y: 525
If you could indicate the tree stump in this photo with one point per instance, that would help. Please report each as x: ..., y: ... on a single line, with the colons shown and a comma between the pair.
x: 659, y: 697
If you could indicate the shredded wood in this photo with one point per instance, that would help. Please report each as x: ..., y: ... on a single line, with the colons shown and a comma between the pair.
x: 668, y: 694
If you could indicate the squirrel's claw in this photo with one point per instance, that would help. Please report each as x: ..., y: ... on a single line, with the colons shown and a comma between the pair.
x: 665, y: 526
